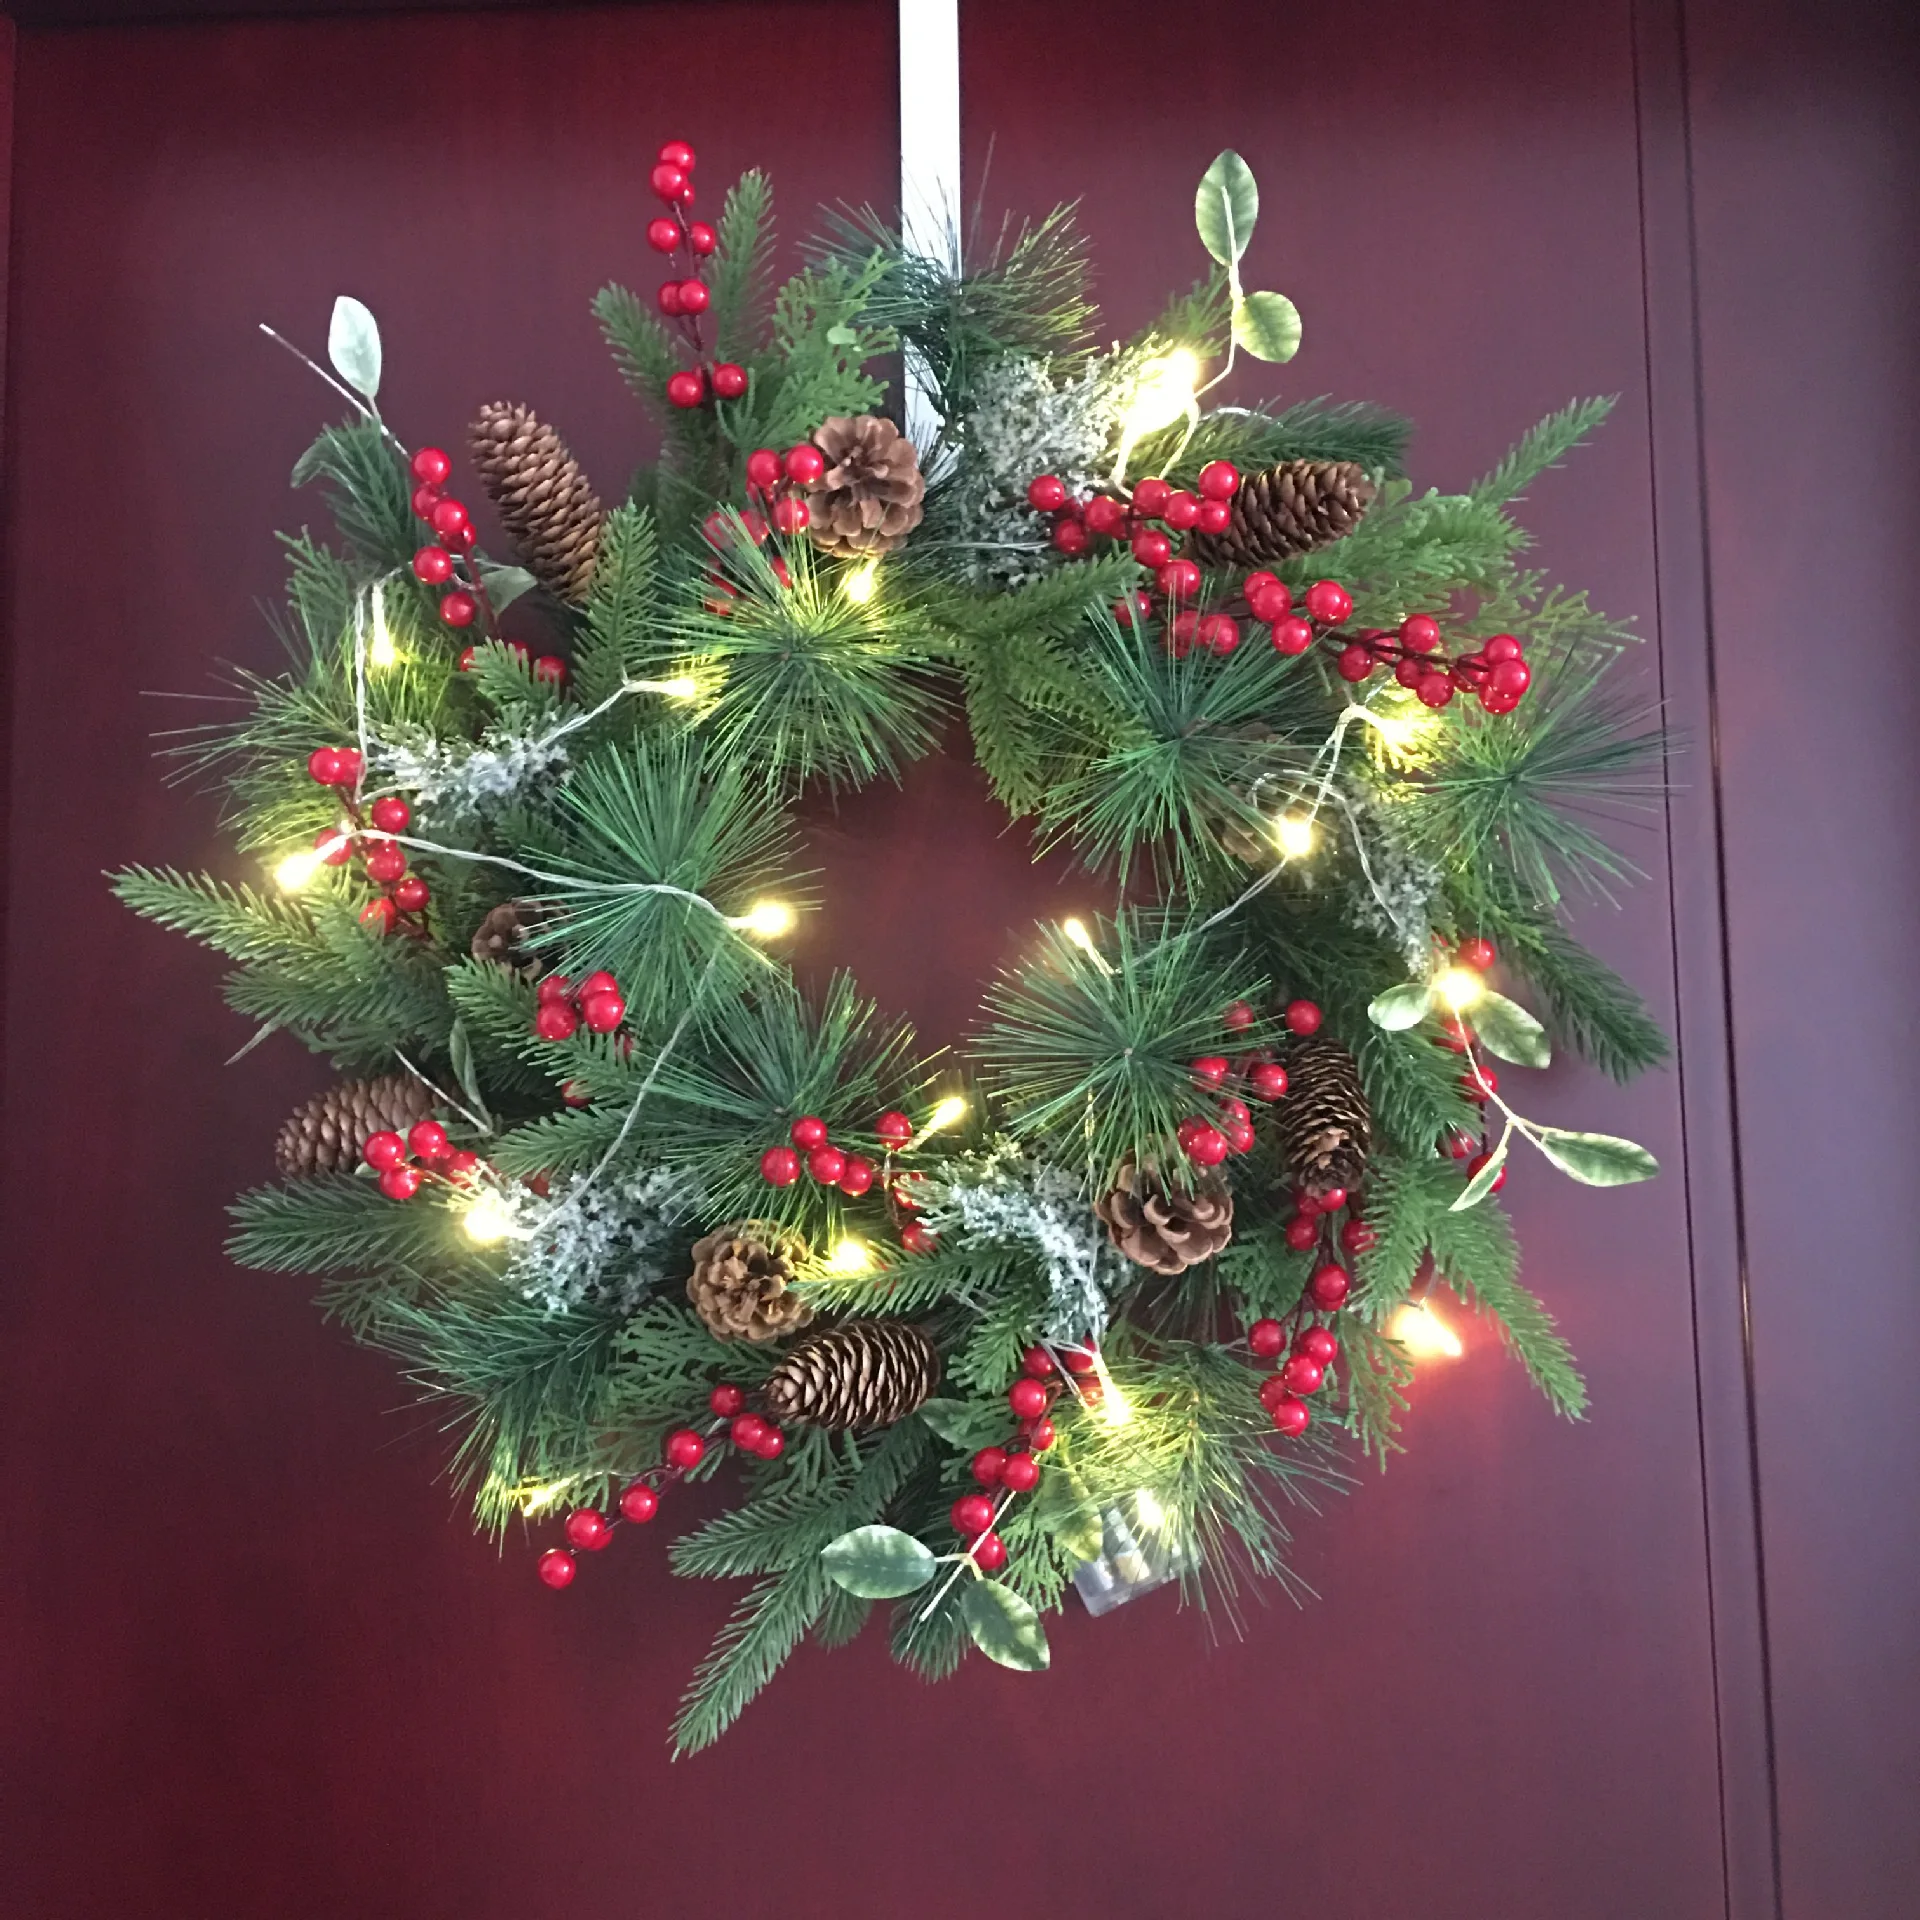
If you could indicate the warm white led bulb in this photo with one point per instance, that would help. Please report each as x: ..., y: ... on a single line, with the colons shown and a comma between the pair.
x: 1293, y: 833
x: 850, y: 1256
x: 858, y: 586
x: 1460, y: 987
x: 487, y: 1221
x: 1424, y: 1334
x: 767, y: 919
x: 1165, y: 393
x: 297, y: 869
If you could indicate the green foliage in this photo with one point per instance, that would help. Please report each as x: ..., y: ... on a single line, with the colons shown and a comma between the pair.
x: 815, y: 364
x: 1541, y: 447
x: 367, y: 490
x: 335, y: 1223
x: 739, y: 274
x: 622, y: 606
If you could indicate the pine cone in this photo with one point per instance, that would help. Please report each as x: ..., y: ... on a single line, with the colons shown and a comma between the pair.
x: 869, y: 498
x: 1326, y: 1126
x: 326, y: 1135
x: 549, y: 510
x: 1155, y: 1225
x: 497, y: 937
x: 862, y: 1373
x: 1289, y: 509
x: 740, y: 1283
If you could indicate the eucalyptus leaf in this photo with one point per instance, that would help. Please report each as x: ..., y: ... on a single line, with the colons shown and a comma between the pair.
x: 460, y: 1050
x: 952, y: 1420
x: 1004, y: 1627
x: 1267, y: 325
x: 878, y: 1563
x: 1400, y: 1007
x: 1225, y: 208
x: 505, y: 585
x: 353, y: 345
x: 1508, y: 1029
x: 1599, y: 1159
x: 1481, y: 1184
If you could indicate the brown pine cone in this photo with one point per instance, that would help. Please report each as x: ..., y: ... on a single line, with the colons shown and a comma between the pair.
x: 862, y: 1373
x: 1289, y: 509
x: 869, y: 498
x: 741, y: 1283
x: 1325, y: 1123
x: 1156, y: 1225
x: 497, y: 937
x: 326, y: 1135
x: 549, y: 510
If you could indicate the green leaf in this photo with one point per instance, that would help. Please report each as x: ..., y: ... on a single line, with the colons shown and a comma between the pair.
x: 842, y: 336
x: 1599, y: 1159
x: 878, y: 1563
x: 1064, y: 1507
x: 952, y: 1420
x: 1509, y: 1030
x: 460, y: 1050
x: 1481, y: 1184
x: 1225, y: 208
x: 505, y: 585
x: 1004, y: 1627
x: 353, y: 345
x: 1400, y: 1007
x: 1267, y: 325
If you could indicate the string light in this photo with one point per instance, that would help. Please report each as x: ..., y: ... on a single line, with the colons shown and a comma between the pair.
x: 684, y: 687
x: 1460, y: 987
x: 381, y: 652
x: 766, y: 919
x: 1424, y: 1334
x: 488, y: 1220
x: 296, y: 870
x: 858, y: 586
x: 946, y: 1113
x: 850, y: 1256
x: 1294, y: 834
x: 538, y: 1499
x: 1149, y: 1514
x: 1113, y: 1408
x: 1076, y: 933
x: 1165, y: 393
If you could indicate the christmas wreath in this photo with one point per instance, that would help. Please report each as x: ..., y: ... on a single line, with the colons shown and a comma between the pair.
x: 1097, y: 1301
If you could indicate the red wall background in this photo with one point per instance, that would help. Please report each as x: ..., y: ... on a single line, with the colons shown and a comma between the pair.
x: 1662, y: 1664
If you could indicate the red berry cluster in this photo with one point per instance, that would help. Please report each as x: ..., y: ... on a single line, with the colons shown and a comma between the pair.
x: 435, y: 565
x: 1284, y: 1392
x: 687, y: 296
x: 1146, y: 521
x: 563, y: 1008
x: 549, y: 667
x: 366, y: 836
x: 830, y: 1166
x: 1495, y: 672
x: 1207, y: 1140
x: 589, y: 1531
x: 406, y: 1165
x: 1015, y: 1466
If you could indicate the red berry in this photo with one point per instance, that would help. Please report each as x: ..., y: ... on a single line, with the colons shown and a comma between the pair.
x: 1318, y: 1345
x: 557, y: 1567
x: 391, y: 814
x: 378, y: 915
x: 411, y: 894
x: 1028, y: 1399
x: 729, y: 379
x: 747, y: 1431
x: 1041, y: 1436
x: 668, y: 298
x: 383, y: 1150
x: 779, y: 1166
x: 772, y: 1443
x: 1510, y: 679
x: 687, y: 388
x: 468, y: 655
x: 726, y: 1400
x: 600, y: 982
x: 459, y: 1162
x: 1077, y: 1359
x: 1475, y: 951
x: 694, y: 296
x: 1105, y: 516
x: 971, y: 1513
x: 1181, y: 511
x: 1152, y: 548
x: 1329, y: 602
x: 1237, y: 1017
x: 1302, y: 1017
x: 588, y: 1530
x: 1303, y: 1232
x: 856, y: 1176
x: 430, y: 467
x: 1292, y: 636
x: 639, y: 1503
x: 556, y: 986
x: 1503, y: 646
x: 1290, y: 1416
x: 985, y: 1465
x: 663, y: 234
x: 827, y: 1164
x: 1354, y: 662
x: 323, y: 763
x: 1205, y: 1146
x: 1260, y: 581
x: 423, y: 501
x: 894, y: 1128
x: 603, y: 1012
x: 1219, y: 480
x: 1434, y: 690
x: 1178, y: 579
x: 575, y: 1094
x: 1496, y: 702
x: 790, y: 514
x: 1047, y: 493
x: 1267, y: 1080
x: 386, y: 863
x: 1239, y: 1134
x: 458, y: 609
x: 668, y: 182
x: 808, y: 1132
x: 428, y: 1139
x: 1150, y: 498
x: 701, y: 237
x: 918, y: 1239
x: 1330, y: 1199
x: 1210, y: 1069
x: 433, y: 565
x: 1021, y: 1473
x: 1070, y: 537
x: 1303, y: 1374
x: 555, y: 1020
x: 1215, y: 517
x: 447, y: 517
x: 1420, y: 633
x: 1409, y: 670
x: 1478, y: 1161
x: 1272, y: 1391
x: 763, y: 468
x: 550, y: 670
x: 676, y: 153
x: 1481, y: 1082
x: 1461, y: 1146
x: 1266, y: 1338
x: 335, y: 848
x: 1037, y: 1361
x: 989, y: 1552
x: 804, y: 464
x: 1329, y: 1287
x: 1220, y: 633
x: 1357, y: 1237
x: 685, y: 1449
x: 1182, y: 633
x: 400, y: 1183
